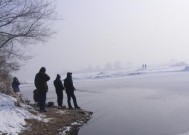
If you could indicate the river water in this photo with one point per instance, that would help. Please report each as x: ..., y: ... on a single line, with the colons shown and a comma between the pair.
x: 154, y: 104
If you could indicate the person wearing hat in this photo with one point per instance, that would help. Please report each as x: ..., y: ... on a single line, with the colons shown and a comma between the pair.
x: 59, y: 90
x: 40, y: 81
x: 68, y: 84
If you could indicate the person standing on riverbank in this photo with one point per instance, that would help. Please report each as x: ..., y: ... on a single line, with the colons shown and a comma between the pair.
x: 40, y: 81
x: 15, y: 85
x: 59, y: 91
x: 68, y: 84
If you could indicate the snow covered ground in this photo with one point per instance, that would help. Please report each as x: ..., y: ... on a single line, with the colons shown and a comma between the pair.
x: 111, y: 74
x: 12, y: 117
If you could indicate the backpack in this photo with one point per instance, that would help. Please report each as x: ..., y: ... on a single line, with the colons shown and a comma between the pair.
x: 35, y: 95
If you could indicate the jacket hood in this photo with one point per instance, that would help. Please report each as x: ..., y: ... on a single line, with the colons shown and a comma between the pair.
x: 58, y: 76
x: 42, y: 70
x: 69, y: 74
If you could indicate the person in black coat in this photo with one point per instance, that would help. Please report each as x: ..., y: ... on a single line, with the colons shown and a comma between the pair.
x: 40, y: 81
x: 15, y: 85
x: 68, y: 84
x: 59, y: 90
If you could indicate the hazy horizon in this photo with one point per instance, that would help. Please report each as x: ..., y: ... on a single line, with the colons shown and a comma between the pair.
x: 95, y: 33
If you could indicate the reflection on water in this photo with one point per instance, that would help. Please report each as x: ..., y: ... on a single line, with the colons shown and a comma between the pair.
x: 143, y: 105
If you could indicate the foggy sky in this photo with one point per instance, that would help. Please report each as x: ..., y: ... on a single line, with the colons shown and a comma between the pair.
x: 95, y: 32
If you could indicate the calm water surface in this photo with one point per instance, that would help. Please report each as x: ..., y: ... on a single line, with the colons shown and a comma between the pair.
x: 140, y: 105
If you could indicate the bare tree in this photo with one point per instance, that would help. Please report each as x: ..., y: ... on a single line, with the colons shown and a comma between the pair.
x: 23, y: 22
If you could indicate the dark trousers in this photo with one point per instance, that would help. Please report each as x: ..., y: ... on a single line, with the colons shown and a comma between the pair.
x: 42, y: 100
x: 69, y: 96
x: 60, y: 98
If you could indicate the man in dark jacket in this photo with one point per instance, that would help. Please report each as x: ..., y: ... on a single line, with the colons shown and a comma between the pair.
x: 41, y: 79
x: 68, y: 84
x: 59, y: 90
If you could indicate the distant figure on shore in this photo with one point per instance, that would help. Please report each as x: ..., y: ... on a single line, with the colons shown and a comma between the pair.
x: 15, y: 85
x: 144, y: 66
x: 40, y: 81
x: 59, y: 91
x: 68, y: 84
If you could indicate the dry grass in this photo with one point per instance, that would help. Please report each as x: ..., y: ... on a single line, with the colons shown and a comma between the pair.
x: 58, y: 120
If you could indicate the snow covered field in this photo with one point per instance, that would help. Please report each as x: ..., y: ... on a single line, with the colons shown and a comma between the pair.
x: 136, y: 102
x: 12, y: 117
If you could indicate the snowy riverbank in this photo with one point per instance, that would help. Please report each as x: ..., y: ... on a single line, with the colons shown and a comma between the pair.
x: 12, y: 117
x: 24, y: 119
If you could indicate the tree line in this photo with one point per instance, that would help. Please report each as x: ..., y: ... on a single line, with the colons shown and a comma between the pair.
x: 22, y: 23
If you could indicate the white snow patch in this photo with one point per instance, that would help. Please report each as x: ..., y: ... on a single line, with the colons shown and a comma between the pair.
x: 67, y: 129
x: 62, y: 112
x: 76, y: 124
x: 47, y: 120
x: 12, y: 118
